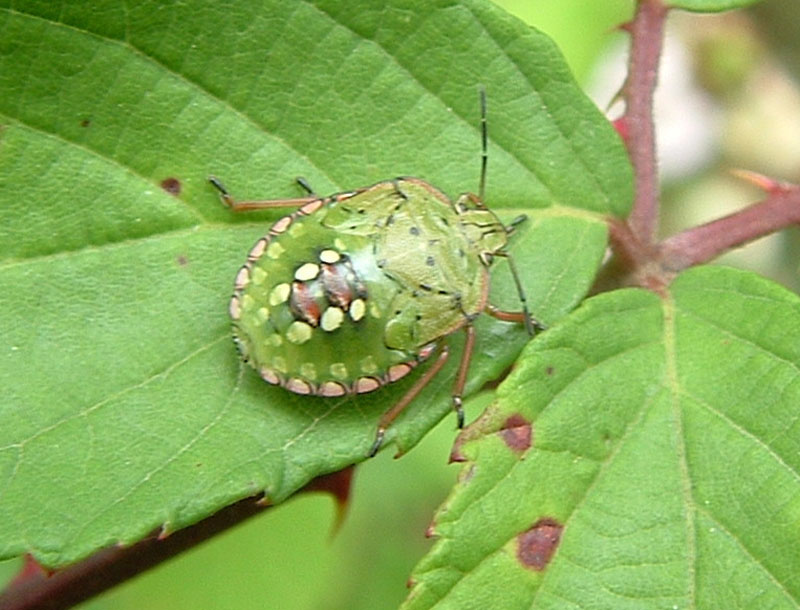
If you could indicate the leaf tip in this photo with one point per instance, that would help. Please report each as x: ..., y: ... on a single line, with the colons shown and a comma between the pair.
x: 167, y: 529
x: 430, y: 531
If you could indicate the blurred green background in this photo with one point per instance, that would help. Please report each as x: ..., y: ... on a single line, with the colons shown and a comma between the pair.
x: 723, y: 71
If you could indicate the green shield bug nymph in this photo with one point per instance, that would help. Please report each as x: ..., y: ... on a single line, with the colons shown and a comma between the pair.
x: 353, y: 291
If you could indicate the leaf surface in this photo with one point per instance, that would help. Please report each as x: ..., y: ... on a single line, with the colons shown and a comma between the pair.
x: 644, y: 454
x: 124, y: 406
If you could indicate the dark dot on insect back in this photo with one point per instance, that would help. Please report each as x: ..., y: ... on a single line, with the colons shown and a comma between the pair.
x: 430, y: 262
x: 171, y: 185
x: 414, y: 231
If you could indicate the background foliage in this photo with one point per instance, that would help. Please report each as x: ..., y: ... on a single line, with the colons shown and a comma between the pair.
x: 124, y: 407
x: 126, y: 101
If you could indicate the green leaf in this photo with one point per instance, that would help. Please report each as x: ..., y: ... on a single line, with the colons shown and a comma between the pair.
x: 710, y: 6
x: 124, y: 406
x: 643, y: 454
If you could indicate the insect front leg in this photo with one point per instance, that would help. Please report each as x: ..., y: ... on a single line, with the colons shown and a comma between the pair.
x: 520, y: 317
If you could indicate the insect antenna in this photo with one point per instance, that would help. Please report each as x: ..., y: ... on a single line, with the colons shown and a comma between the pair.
x: 531, y: 325
x: 512, y: 226
x: 484, y: 144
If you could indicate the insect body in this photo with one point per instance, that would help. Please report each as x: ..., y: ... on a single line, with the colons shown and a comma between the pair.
x: 353, y: 291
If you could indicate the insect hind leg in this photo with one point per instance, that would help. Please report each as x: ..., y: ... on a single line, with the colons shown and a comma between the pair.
x: 389, y: 416
x: 265, y: 204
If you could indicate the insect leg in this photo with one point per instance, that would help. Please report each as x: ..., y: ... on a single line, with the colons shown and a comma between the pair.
x: 389, y: 416
x: 461, y: 376
x: 531, y: 325
x: 520, y: 317
x: 512, y: 226
x: 304, y: 184
x: 241, y: 206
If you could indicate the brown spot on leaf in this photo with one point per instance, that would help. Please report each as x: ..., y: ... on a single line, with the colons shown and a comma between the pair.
x: 171, y: 185
x: 549, y: 371
x: 86, y: 122
x: 182, y: 260
x: 535, y: 546
x: 516, y: 433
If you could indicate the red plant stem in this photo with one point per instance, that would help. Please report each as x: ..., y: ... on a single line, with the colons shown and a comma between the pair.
x: 109, y: 567
x: 705, y: 242
x: 647, y: 32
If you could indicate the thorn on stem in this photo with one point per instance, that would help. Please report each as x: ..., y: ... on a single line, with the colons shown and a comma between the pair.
x: 765, y: 183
